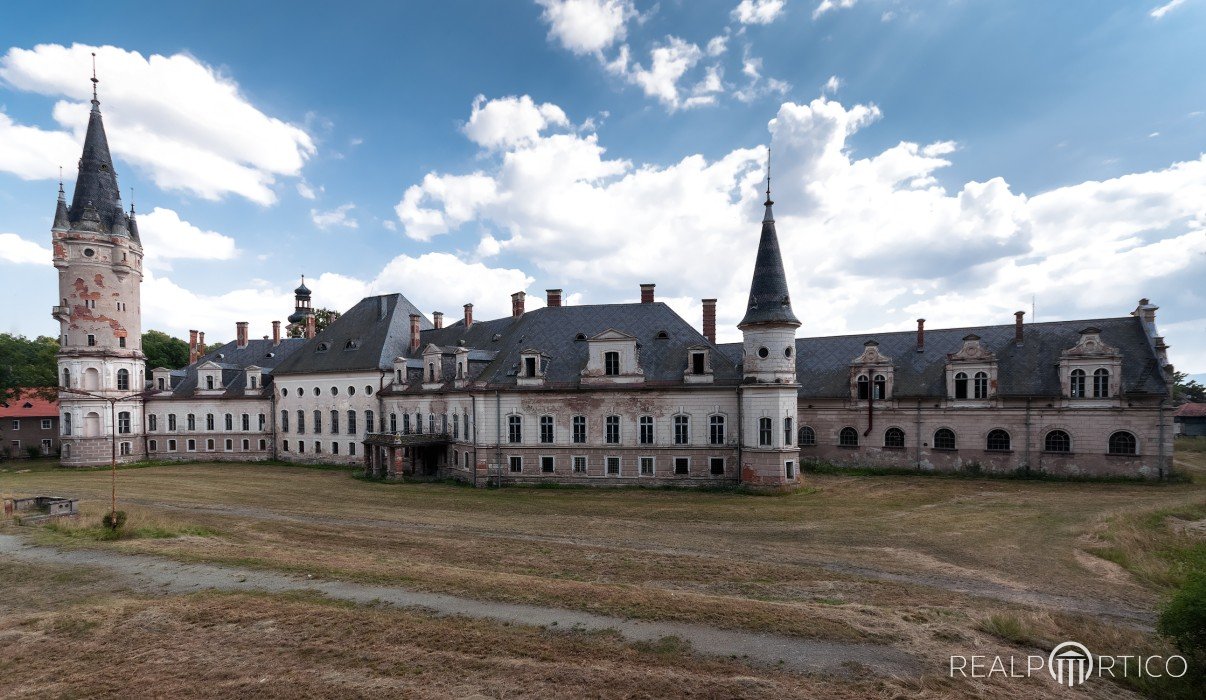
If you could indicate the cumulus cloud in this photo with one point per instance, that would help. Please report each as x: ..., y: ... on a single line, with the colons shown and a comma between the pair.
x: 827, y: 5
x: 337, y: 217
x: 756, y: 86
x: 1164, y: 9
x: 757, y: 11
x: 15, y: 249
x: 668, y: 63
x: 307, y: 191
x: 165, y: 236
x: 832, y: 85
x: 587, y: 26
x: 182, y: 122
x: 510, y: 121
x: 875, y: 241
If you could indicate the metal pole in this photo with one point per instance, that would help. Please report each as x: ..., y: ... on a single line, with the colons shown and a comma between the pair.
x: 113, y: 458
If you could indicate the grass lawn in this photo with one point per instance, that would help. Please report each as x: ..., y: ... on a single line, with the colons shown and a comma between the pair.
x: 851, y: 558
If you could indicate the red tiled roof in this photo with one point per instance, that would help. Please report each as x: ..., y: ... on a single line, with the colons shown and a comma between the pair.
x: 1191, y: 410
x: 29, y: 405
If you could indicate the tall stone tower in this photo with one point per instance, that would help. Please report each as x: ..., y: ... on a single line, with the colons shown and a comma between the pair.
x: 769, y: 456
x: 99, y: 259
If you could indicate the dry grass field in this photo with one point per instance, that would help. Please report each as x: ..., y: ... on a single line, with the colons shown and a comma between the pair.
x: 930, y: 565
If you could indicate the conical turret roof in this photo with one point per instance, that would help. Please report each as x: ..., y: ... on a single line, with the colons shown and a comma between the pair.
x: 96, y: 184
x: 770, y: 302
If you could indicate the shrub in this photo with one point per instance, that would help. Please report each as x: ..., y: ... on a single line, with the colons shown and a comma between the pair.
x: 33, y: 452
x: 114, y: 521
x: 1183, y: 618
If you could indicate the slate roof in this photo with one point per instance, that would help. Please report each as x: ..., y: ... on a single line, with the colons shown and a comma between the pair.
x: 553, y: 331
x: 770, y: 301
x: 96, y: 202
x: 823, y: 364
x: 233, y: 360
x: 379, y: 329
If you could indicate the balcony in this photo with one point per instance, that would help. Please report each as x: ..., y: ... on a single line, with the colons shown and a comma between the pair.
x: 61, y: 313
x: 407, y: 439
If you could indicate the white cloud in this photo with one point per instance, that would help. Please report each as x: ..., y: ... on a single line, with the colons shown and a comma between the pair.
x: 832, y: 85
x: 182, y: 122
x: 668, y: 63
x: 335, y: 217
x: 757, y: 87
x: 307, y: 191
x: 587, y: 26
x: 510, y: 121
x: 1164, y: 9
x: 165, y: 236
x: 31, y: 153
x: 17, y: 250
x: 717, y: 45
x: 827, y: 5
x: 757, y: 11
x: 860, y: 235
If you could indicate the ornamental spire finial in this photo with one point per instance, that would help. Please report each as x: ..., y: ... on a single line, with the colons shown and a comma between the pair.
x: 94, y: 80
x: 768, y: 175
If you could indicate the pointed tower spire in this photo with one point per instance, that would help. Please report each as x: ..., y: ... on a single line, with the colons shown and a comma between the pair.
x: 61, y: 222
x: 96, y: 185
x: 770, y: 302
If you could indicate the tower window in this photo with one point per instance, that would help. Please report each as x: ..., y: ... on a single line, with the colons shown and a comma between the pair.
x: 763, y: 353
x: 91, y: 340
x: 765, y: 431
x: 123, y: 379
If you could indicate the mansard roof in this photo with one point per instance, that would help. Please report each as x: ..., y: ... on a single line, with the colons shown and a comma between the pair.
x: 260, y: 354
x: 823, y: 364
x: 380, y: 327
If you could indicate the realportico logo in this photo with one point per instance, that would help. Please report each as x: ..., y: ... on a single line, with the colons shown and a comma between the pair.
x: 1070, y: 664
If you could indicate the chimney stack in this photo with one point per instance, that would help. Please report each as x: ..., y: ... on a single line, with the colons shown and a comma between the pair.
x: 241, y: 334
x: 709, y: 319
x: 1017, y: 326
x: 192, y: 346
x: 414, y: 333
x: 200, y: 343
x: 517, y: 303
x: 647, y: 293
x: 921, y: 335
x: 276, y: 333
x: 468, y: 316
x: 554, y: 298
x: 311, y: 326
x: 437, y: 319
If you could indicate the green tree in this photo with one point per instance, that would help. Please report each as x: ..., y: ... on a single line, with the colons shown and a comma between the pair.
x: 322, y: 319
x: 26, y: 363
x: 162, y: 350
x: 1186, y: 389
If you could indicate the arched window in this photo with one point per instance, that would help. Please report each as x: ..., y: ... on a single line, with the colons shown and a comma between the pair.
x: 317, y: 421
x: 191, y: 421
x: 1057, y: 441
x: 66, y: 423
x: 848, y: 437
x: 1123, y: 443
x: 1076, y: 384
x: 431, y: 371
x: 880, y: 389
x: 431, y: 428
x: 284, y: 421
x: 611, y: 363
x: 301, y: 422
x: 335, y: 422
x: 998, y: 441
x: 807, y: 436
x: 456, y: 427
x: 209, y: 421
x: 351, y: 422
x: 123, y: 380
x: 406, y: 424
x: 944, y: 439
x: 766, y: 428
x: 67, y: 377
x: 787, y: 430
x: 1101, y: 383
x: 894, y: 437
x: 960, y: 385
x: 418, y: 422
x: 864, y: 387
x: 981, y: 385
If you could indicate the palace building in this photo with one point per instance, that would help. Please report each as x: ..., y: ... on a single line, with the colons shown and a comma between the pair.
x: 608, y: 394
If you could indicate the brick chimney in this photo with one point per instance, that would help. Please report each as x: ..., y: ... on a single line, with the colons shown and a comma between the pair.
x: 200, y: 343
x: 647, y: 292
x: 921, y: 335
x: 414, y: 333
x: 1017, y: 326
x: 1146, y: 311
x: 192, y: 346
x: 709, y: 320
x: 437, y: 319
x: 241, y: 334
x: 276, y: 333
x: 311, y: 326
x: 468, y: 315
x: 553, y: 298
x: 517, y: 303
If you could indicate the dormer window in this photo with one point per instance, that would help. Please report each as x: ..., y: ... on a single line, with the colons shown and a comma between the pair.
x: 880, y: 386
x: 960, y: 385
x: 971, y: 373
x: 431, y: 372
x: 209, y: 382
x: 253, y: 381
x: 351, y: 344
x: 1090, y: 359
x: 529, y: 366
x: 864, y: 387
x: 1076, y: 387
x: 613, y: 357
x: 697, y: 362
x: 322, y: 347
x: 1101, y: 383
x: 872, y: 373
x: 611, y: 364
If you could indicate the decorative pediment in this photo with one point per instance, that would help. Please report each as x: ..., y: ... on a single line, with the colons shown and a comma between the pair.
x: 209, y: 365
x: 431, y: 349
x: 1090, y: 345
x: 871, y: 355
x: 972, y: 351
x: 613, y: 334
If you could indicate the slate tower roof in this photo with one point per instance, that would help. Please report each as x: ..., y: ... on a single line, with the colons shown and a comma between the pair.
x: 770, y: 302
x: 96, y: 203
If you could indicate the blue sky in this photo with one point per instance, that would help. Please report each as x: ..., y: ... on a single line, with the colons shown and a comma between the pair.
x: 940, y: 159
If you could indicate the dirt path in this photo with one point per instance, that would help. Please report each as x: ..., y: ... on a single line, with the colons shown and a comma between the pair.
x: 156, y: 575
x: 980, y: 588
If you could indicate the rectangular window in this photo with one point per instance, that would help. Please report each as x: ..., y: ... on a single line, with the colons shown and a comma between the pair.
x: 611, y: 363
x: 47, y: 444
x: 153, y: 445
x: 716, y: 430
x: 646, y: 466
x: 787, y: 431
x: 406, y: 424
x: 209, y: 421
x: 515, y: 429
x: 191, y: 421
x: 613, y: 466
x: 301, y: 447
x: 301, y: 422
x: 228, y: 422
x: 125, y: 446
x: 579, y: 429
x: 171, y: 421
x: 246, y: 445
x: 682, y: 430
x: 229, y: 446
x: 209, y: 445
x: 334, y: 448
x: 91, y: 340
x: 716, y: 465
x: 16, y: 425
x: 261, y: 422
x: 284, y: 421
x: 334, y: 423
x: 646, y: 436
x: 246, y: 422
x: 546, y: 429
x: 368, y: 421
x: 171, y: 445
x: 529, y: 366
x: 611, y: 433
x: 765, y: 432
x: 45, y: 424
x: 790, y: 469
x: 682, y: 465
x: 317, y: 422
x: 192, y: 445
x: 697, y: 363
x: 352, y: 449
x: 123, y: 422
x: 66, y: 423
x: 579, y: 465
x: 516, y: 464
x: 547, y: 464
x: 121, y: 343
